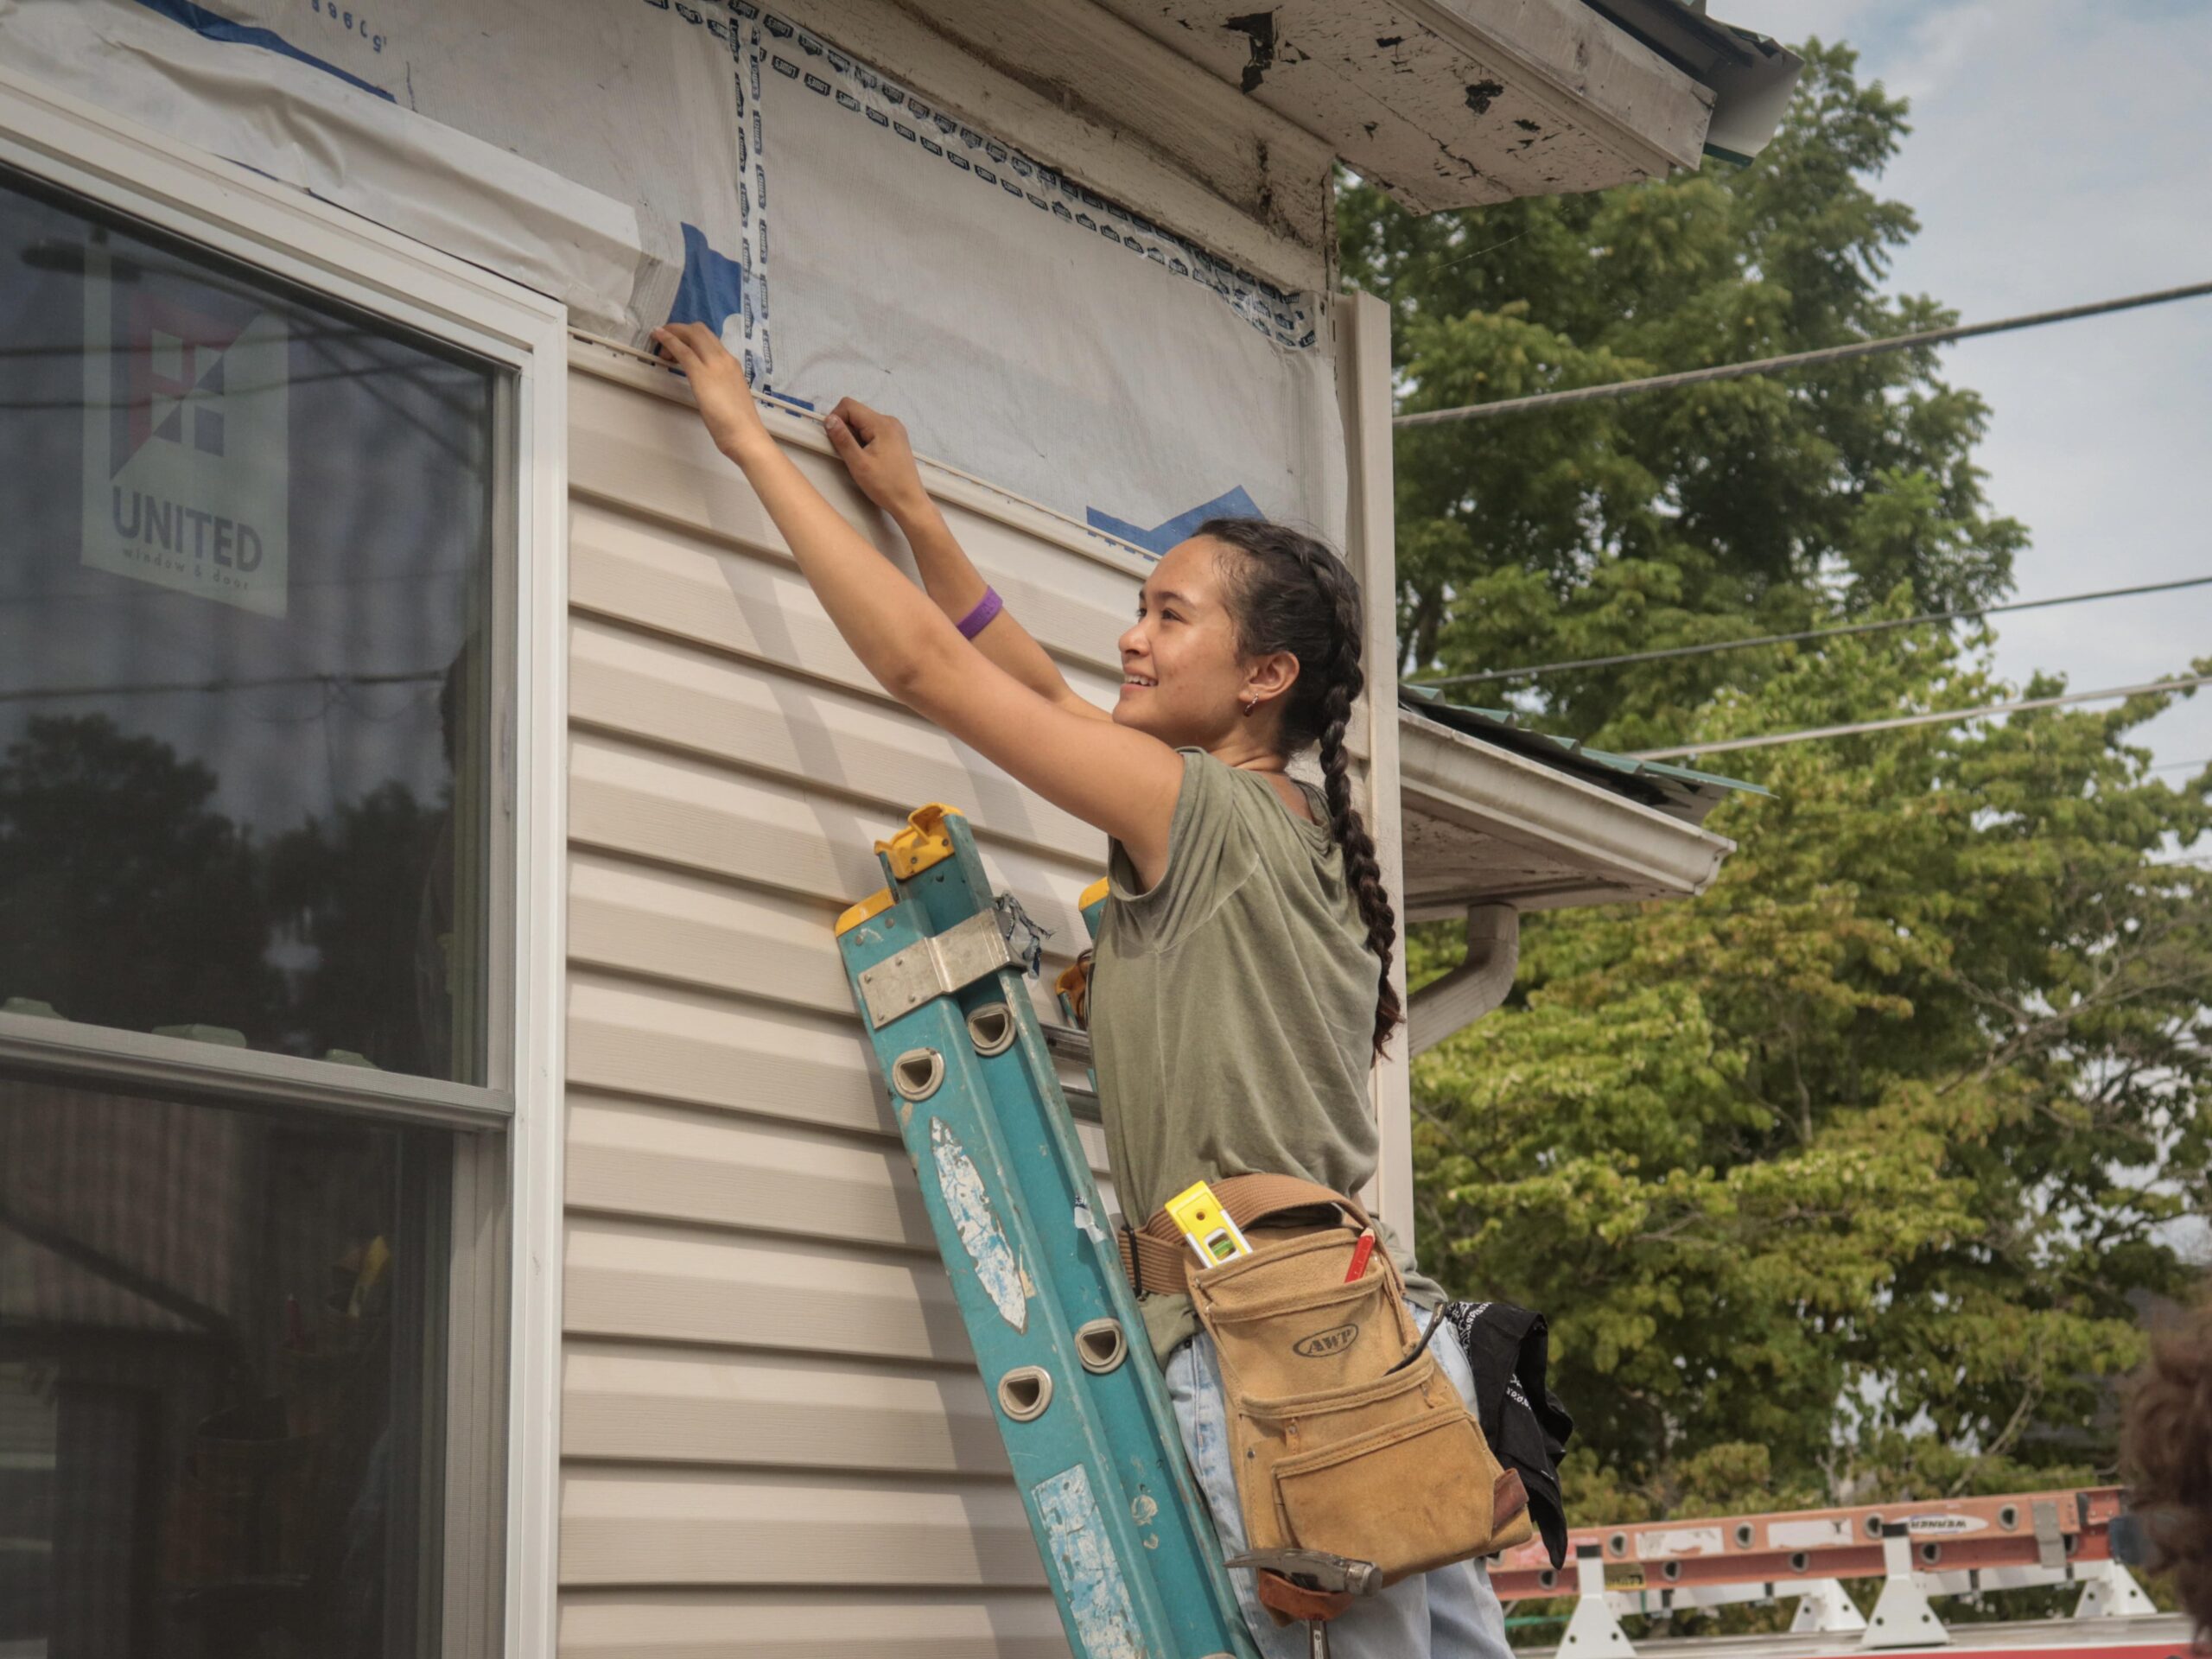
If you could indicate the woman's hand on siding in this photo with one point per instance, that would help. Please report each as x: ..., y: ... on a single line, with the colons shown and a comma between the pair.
x: 875, y: 448
x: 1123, y: 780
x: 718, y: 383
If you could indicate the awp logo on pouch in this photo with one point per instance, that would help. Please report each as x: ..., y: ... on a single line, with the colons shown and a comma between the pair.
x: 186, y: 472
x: 1322, y: 1344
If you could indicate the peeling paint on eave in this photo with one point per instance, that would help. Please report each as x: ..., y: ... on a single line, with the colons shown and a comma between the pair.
x: 1391, y: 85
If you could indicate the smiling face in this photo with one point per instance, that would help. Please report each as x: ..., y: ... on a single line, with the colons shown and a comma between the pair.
x: 1183, y: 679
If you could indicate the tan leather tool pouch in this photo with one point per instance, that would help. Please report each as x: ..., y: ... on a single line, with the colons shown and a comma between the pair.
x: 1334, y: 1449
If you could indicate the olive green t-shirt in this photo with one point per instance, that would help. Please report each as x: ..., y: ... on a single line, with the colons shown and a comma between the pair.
x: 1232, y: 1009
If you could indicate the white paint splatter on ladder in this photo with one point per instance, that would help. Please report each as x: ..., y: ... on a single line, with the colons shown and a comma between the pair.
x: 969, y: 1206
x: 1091, y: 1580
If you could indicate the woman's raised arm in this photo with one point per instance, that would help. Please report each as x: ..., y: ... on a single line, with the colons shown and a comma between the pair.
x: 1121, y: 780
x: 875, y: 450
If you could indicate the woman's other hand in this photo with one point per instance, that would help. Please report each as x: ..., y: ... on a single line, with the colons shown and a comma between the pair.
x: 874, y: 449
x: 718, y: 382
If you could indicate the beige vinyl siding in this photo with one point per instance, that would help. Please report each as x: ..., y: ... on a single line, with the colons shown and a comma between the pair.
x: 772, y: 1440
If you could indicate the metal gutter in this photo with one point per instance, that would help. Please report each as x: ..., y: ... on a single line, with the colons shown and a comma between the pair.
x: 1681, y: 791
x: 1750, y: 76
x: 1608, y: 849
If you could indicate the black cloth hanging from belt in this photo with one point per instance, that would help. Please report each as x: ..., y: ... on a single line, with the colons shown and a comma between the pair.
x: 1509, y: 1349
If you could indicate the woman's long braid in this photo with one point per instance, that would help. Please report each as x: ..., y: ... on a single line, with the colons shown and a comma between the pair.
x: 1362, y: 868
x: 1292, y: 593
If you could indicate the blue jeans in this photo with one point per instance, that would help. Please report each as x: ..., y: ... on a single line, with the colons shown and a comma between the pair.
x: 1450, y: 1613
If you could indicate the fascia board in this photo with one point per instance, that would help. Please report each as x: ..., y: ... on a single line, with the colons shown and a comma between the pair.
x: 1605, y: 79
x: 1623, y: 850
x: 1452, y: 103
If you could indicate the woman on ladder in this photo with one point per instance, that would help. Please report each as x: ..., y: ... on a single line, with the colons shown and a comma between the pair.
x: 1241, y: 988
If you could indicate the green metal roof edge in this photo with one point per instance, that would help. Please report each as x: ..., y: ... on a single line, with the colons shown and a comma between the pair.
x: 1483, y: 721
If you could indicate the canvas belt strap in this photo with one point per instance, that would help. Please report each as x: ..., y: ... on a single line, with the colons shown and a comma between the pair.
x: 1157, y: 1258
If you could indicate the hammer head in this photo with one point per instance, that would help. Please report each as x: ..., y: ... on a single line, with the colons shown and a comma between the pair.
x: 1318, y: 1568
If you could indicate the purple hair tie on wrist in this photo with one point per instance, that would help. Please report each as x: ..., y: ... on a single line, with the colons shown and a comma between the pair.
x: 986, y: 607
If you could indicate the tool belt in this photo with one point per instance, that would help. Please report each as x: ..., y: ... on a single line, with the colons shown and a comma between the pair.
x: 1340, y: 1442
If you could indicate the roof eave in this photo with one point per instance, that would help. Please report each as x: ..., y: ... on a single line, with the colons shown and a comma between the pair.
x: 1576, y: 844
x: 1450, y: 103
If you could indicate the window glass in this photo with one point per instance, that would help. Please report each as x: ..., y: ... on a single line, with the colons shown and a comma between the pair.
x: 246, y: 737
x: 215, y: 1327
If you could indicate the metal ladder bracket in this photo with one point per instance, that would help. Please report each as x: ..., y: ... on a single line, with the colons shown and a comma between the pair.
x: 935, y: 965
x: 1594, y: 1631
x: 1826, y: 1605
x: 1901, y: 1616
x: 2109, y: 1591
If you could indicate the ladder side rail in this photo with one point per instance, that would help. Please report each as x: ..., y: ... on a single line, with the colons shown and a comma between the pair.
x: 2078, y: 1509
x: 959, y: 1158
x: 1081, y: 1262
x: 1134, y: 1567
x: 1836, y: 1542
x: 1807, y: 1566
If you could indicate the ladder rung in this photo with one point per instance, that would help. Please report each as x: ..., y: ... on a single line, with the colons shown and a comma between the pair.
x: 1066, y: 1042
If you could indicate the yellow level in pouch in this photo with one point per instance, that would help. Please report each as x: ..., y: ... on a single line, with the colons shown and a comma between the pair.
x: 1207, y: 1225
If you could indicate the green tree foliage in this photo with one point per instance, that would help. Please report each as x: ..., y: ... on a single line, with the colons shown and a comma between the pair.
x: 1838, y: 1181
x: 1710, y: 513
x: 1847, y: 1179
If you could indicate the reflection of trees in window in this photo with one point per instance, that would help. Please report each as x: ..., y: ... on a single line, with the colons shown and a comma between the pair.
x: 354, y: 886
x: 126, y: 901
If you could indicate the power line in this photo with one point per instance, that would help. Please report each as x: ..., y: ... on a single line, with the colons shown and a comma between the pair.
x: 1813, y: 633
x: 1794, y: 360
x: 1900, y: 721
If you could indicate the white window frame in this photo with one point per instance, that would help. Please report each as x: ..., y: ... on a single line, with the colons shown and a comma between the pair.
x: 498, y: 1569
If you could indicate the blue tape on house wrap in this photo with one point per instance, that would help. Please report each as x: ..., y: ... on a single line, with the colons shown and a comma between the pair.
x: 200, y: 20
x: 1236, y: 504
x: 712, y: 289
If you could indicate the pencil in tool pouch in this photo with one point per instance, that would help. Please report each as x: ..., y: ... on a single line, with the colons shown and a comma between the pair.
x: 1206, y: 1224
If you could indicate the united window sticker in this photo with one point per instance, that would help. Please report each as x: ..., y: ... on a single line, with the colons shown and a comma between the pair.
x: 187, y: 470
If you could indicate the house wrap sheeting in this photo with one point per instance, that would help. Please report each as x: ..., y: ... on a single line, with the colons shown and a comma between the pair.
x: 1104, y: 366
x: 642, y: 160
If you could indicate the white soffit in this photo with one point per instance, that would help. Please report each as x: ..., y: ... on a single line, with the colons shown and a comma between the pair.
x: 1130, y: 115
x: 1483, y: 826
x: 1452, y: 103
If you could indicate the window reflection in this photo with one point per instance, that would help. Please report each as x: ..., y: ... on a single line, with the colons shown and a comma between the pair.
x: 244, y: 726
x: 213, y: 1329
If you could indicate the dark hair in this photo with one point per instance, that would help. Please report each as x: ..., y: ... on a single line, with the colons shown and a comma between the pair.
x: 1289, y: 593
x: 2168, y: 1446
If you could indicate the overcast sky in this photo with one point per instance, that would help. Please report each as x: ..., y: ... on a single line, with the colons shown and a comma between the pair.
x: 2059, y: 156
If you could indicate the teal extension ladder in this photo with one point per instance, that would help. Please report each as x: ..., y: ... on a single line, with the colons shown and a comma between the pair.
x: 937, y: 962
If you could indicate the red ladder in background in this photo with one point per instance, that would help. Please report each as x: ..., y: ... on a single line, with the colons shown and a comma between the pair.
x: 1952, y: 1547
